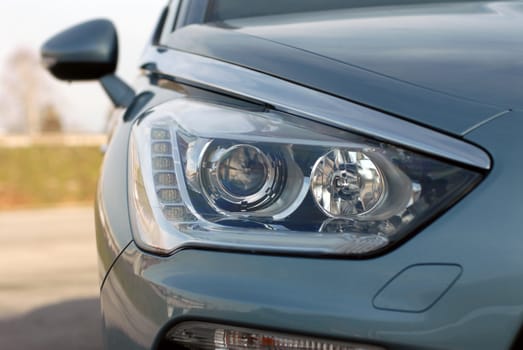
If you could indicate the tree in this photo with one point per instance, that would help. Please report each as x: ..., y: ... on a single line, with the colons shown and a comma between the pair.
x: 28, y: 96
x: 50, y: 120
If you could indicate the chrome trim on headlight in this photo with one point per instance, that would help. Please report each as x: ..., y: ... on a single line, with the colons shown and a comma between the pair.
x: 311, y: 104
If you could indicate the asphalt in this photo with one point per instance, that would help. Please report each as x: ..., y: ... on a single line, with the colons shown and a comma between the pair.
x: 48, y: 280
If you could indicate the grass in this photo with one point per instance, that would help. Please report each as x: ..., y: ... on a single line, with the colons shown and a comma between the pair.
x: 48, y: 175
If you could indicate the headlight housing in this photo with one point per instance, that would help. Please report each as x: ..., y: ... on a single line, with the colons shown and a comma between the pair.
x: 209, y: 175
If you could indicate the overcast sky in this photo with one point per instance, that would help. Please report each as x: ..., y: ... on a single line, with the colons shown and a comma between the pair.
x: 28, y: 23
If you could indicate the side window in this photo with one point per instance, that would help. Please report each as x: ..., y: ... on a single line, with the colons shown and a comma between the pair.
x: 191, y: 11
x: 168, y: 21
x: 181, y: 13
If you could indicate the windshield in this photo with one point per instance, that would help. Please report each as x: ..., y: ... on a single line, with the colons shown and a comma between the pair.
x: 223, y: 10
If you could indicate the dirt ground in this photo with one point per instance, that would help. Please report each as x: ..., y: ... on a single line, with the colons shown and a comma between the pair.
x: 48, y: 280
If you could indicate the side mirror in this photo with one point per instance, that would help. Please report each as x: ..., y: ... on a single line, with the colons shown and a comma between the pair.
x: 88, y: 51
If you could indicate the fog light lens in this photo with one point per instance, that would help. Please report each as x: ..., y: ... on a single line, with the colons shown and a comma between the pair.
x: 208, y: 336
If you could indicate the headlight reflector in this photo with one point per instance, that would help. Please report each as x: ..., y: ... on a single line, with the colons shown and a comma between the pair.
x: 346, y: 183
x: 210, y: 175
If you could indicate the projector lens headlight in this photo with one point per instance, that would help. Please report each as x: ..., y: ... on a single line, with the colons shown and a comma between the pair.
x: 210, y: 175
x: 240, y: 177
x: 243, y: 171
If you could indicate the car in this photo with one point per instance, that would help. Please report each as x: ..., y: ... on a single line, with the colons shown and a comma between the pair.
x: 311, y: 175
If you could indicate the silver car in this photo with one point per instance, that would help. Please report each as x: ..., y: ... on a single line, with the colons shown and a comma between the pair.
x: 303, y: 174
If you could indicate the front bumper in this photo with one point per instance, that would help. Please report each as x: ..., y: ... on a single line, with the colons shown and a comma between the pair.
x: 479, y: 306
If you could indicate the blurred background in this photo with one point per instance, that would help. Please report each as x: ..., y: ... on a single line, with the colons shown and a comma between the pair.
x: 51, y: 134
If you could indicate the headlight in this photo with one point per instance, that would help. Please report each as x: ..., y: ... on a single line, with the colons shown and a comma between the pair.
x: 214, y: 176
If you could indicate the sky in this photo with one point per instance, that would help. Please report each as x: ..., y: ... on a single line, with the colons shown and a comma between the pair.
x: 29, y: 23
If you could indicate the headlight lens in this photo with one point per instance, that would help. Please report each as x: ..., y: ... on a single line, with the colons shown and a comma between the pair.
x: 210, y: 175
x: 346, y: 183
x: 240, y: 177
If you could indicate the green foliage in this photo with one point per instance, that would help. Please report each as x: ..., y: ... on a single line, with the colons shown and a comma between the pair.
x: 48, y: 175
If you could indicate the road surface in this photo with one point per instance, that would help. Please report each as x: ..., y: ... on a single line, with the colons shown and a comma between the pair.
x: 48, y: 280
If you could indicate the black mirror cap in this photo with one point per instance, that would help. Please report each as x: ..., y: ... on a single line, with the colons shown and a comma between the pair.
x: 87, y: 51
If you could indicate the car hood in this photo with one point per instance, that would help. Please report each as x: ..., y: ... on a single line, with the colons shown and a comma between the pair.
x: 447, y: 65
x: 471, y: 50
